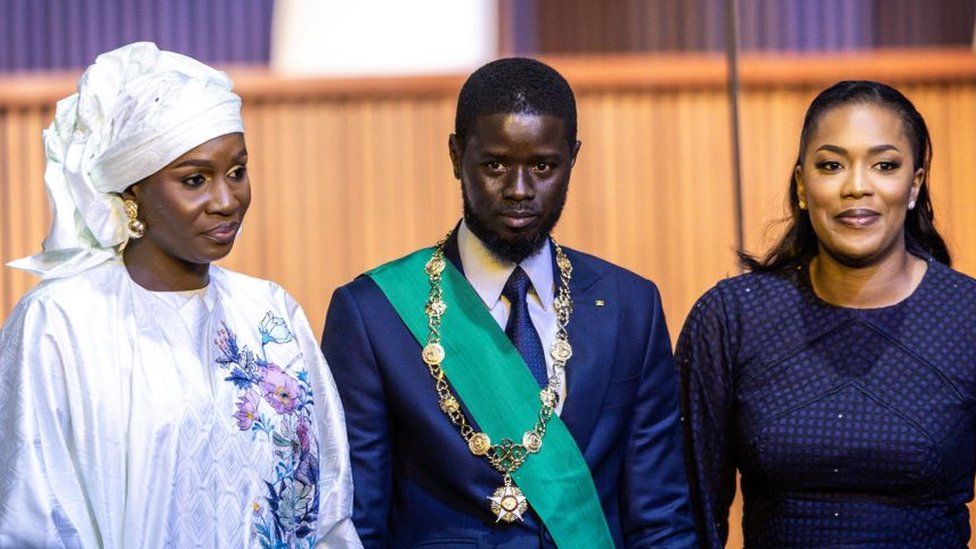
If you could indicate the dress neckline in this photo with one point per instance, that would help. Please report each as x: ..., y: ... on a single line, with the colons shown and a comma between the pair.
x: 807, y: 285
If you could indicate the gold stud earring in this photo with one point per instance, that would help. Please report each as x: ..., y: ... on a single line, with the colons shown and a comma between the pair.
x: 803, y: 204
x: 135, y: 227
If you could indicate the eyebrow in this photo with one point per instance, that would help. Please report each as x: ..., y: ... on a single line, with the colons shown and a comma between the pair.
x: 503, y: 153
x: 194, y: 162
x: 873, y: 150
x: 203, y: 163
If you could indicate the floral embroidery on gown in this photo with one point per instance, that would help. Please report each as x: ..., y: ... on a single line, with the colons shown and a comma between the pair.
x: 275, y: 401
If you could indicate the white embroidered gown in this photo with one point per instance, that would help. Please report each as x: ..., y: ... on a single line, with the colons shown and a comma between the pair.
x: 131, y: 418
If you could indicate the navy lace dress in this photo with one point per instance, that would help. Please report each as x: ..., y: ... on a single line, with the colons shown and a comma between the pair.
x: 850, y: 427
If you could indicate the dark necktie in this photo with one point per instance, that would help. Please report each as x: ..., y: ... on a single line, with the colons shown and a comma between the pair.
x: 519, y: 328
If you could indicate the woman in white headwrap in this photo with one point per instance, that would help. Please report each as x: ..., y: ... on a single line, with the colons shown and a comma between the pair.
x: 147, y: 398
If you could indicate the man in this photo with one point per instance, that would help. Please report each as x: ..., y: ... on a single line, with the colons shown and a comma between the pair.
x: 464, y: 426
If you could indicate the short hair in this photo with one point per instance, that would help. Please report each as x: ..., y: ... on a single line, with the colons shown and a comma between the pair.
x: 515, y: 85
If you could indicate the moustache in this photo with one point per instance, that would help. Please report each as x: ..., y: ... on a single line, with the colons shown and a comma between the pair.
x: 518, y: 208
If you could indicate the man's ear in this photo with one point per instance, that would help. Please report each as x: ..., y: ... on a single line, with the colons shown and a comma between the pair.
x: 456, y: 151
x: 575, y: 152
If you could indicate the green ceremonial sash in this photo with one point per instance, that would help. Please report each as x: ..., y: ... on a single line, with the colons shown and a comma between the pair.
x: 556, y: 481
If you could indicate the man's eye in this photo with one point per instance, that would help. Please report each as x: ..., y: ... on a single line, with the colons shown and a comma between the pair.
x: 543, y: 167
x: 194, y: 181
x: 494, y: 166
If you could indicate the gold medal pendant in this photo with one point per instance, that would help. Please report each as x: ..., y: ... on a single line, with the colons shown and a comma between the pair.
x: 508, y: 503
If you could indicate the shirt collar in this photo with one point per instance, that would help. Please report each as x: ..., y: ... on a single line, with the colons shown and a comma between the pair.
x: 487, y: 274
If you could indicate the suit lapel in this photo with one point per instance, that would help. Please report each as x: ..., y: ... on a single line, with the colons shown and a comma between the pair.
x: 451, y: 250
x: 592, y: 332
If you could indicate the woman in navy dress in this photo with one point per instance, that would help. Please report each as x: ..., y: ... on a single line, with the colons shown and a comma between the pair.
x: 838, y: 376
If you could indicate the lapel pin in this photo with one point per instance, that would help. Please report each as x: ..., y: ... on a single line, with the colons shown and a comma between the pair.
x: 600, y: 303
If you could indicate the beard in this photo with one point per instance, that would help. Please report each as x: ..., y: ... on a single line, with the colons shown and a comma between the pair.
x: 525, y: 243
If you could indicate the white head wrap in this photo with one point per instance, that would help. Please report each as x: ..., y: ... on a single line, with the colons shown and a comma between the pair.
x: 137, y: 109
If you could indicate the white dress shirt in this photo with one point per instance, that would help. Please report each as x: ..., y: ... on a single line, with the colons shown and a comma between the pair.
x: 488, y: 274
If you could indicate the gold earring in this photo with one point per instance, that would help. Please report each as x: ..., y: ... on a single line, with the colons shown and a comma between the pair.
x: 803, y: 204
x: 135, y: 227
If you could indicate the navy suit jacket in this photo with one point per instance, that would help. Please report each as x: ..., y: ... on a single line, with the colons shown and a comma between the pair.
x: 416, y: 483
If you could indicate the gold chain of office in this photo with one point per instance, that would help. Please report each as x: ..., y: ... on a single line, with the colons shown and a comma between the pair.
x: 507, y: 503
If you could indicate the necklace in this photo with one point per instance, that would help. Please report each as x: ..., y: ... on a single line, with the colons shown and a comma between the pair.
x: 507, y: 503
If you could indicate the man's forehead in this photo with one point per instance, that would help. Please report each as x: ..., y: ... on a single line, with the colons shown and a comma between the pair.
x: 518, y: 124
x: 520, y: 121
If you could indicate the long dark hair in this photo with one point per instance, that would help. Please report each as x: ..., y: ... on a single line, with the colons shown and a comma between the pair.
x: 799, y: 245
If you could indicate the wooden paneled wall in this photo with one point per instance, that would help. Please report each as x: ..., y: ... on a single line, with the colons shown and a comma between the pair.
x: 350, y: 173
